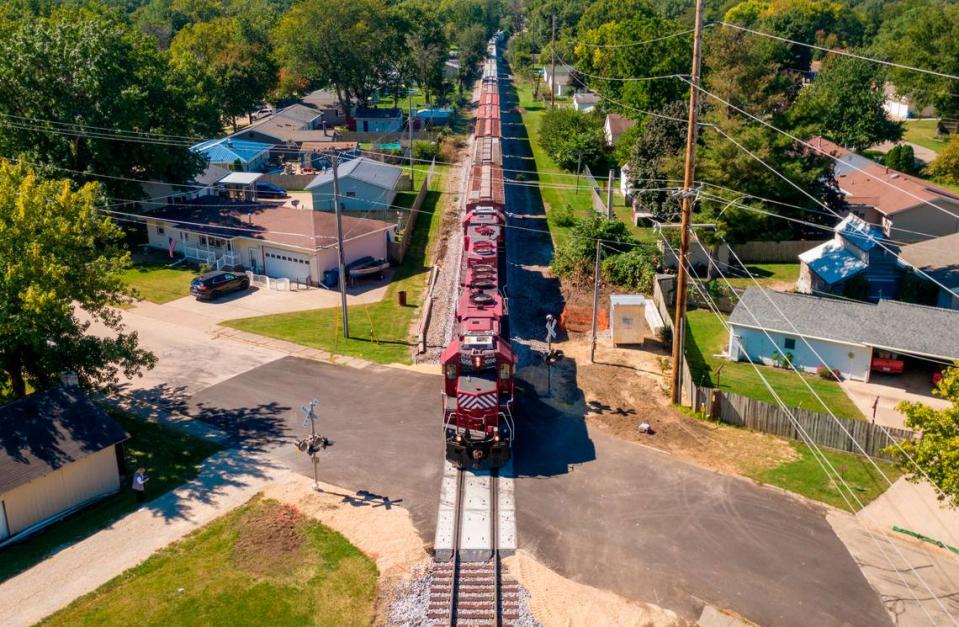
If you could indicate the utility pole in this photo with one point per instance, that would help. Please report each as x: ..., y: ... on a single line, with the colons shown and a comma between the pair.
x: 552, y: 75
x: 609, y: 196
x: 679, y: 325
x: 339, y: 247
x: 409, y: 96
x: 592, y: 346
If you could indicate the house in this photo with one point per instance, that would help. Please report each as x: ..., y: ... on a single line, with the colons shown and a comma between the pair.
x: 858, y: 249
x: 615, y: 126
x: 562, y: 83
x: 845, y: 334
x: 369, y: 120
x: 59, y: 451
x: 365, y: 185
x: 251, y: 156
x: 158, y: 193
x: 907, y: 208
x: 584, y: 102
x: 328, y: 104
x: 901, y: 107
x: 939, y: 259
x: 290, y: 126
x: 278, y: 241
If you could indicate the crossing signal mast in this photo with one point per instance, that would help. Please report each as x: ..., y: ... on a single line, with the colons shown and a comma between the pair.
x: 679, y: 322
x: 314, y: 443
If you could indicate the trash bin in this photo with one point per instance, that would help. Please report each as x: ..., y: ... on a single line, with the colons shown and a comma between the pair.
x: 331, y: 278
x: 401, y: 298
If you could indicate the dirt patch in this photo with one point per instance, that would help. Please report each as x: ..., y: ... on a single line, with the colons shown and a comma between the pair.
x: 270, y: 540
x: 382, y: 531
x: 556, y: 601
x: 626, y: 387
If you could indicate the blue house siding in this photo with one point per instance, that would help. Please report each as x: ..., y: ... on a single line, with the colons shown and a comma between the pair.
x: 852, y: 360
x: 355, y: 195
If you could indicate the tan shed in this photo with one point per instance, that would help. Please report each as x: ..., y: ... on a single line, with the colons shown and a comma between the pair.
x: 59, y: 451
x: 627, y: 318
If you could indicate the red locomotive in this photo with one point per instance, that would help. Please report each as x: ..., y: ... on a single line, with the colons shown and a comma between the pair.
x: 478, y: 365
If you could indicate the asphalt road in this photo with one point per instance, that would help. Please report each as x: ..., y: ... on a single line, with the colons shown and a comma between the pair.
x: 383, y: 423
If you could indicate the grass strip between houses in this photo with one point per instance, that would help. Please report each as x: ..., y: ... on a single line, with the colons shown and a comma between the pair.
x: 707, y: 339
x: 171, y: 458
x: 264, y: 563
x: 379, y: 332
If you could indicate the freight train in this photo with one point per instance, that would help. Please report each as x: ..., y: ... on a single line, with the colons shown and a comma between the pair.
x: 478, y: 364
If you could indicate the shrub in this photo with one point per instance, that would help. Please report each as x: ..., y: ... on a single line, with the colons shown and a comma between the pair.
x: 425, y: 151
x: 830, y: 374
x: 902, y: 158
x: 665, y: 336
x: 945, y: 168
x: 564, y: 216
x: 784, y: 360
x: 576, y: 255
x: 633, y: 270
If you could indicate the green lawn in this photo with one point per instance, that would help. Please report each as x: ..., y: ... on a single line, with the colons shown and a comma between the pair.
x: 768, y: 273
x: 806, y: 476
x: 170, y: 457
x: 555, y: 199
x: 380, y: 331
x: 262, y: 564
x: 159, y: 284
x: 923, y: 133
x: 707, y: 338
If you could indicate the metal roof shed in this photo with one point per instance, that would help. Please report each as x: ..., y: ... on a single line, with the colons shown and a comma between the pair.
x: 240, y: 185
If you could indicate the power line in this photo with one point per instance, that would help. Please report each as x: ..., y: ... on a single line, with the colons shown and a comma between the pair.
x: 844, y: 53
x: 835, y: 476
x: 824, y: 205
x: 635, y: 43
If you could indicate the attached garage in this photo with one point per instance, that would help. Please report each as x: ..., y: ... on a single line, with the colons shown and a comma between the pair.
x: 58, y: 452
x: 286, y: 264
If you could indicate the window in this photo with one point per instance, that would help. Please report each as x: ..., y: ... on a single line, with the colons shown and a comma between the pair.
x: 184, y: 236
x: 789, y: 344
x: 160, y: 230
x: 351, y: 194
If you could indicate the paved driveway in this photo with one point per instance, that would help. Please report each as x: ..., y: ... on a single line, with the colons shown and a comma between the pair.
x: 892, y: 390
x: 259, y: 301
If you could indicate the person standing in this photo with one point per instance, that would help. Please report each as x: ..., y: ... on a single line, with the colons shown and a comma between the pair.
x: 139, y: 483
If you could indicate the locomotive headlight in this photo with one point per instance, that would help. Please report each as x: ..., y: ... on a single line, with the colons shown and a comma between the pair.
x: 504, y: 371
x: 450, y: 371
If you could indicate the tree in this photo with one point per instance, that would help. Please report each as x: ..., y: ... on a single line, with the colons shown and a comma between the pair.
x: 605, y: 51
x: 945, y: 167
x: 235, y: 70
x: 845, y: 104
x: 471, y: 44
x: 347, y: 47
x: 924, y: 36
x: 426, y: 47
x: 936, y: 450
x: 574, y: 258
x: 901, y: 157
x: 90, y: 73
x: 654, y: 158
x: 60, y: 256
x: 571, y: 138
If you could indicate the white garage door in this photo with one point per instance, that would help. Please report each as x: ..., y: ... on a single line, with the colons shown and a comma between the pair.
x: 284, y: 264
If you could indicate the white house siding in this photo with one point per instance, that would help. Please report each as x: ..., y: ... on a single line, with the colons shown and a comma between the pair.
x: 355, y: 195
x: 76, y: 483
x: 852, y: 360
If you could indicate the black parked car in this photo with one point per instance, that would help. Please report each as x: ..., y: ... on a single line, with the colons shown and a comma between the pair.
x: 210, y: 285
x: 269, y: 190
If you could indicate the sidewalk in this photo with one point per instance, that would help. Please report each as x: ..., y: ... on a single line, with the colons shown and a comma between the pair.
x: 226, y: 481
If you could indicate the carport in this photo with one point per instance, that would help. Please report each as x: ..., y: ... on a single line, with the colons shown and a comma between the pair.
x: 240, y: 185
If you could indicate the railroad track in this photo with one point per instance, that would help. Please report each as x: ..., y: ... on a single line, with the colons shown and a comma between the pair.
x: 468, y: 586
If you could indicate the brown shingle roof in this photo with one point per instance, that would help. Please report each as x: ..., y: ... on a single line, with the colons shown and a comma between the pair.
x: 869, y: 183
x: 618, y: 124
x: 48, y: 430
x: 303, y: 228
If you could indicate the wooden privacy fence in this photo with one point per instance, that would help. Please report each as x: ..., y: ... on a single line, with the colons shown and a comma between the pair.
x: 396, y: 250
x: 823, y: 429
x: 774, y: 252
